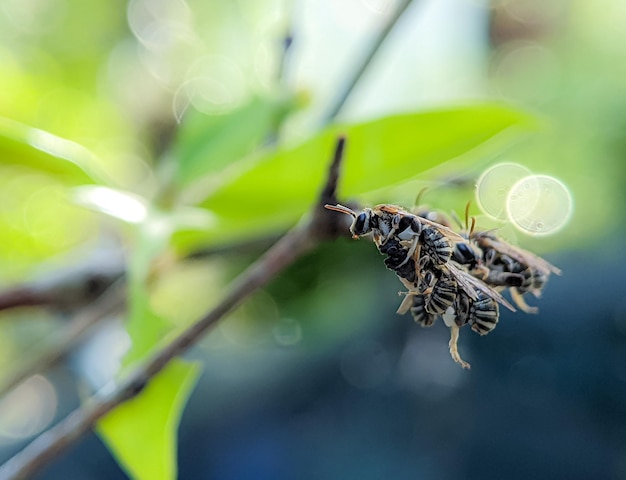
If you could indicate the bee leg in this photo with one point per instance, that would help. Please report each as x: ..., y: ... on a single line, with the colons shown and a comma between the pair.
x: 454, y: 352
x: 518, y: 298
x: 410, y: 252
x: 418, y: 267
x: 407, y: 302
x: 395, y: 224
x: 481, y: 271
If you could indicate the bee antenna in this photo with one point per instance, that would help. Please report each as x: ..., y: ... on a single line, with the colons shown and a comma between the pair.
x: 420, y: 194
x: 467, y: 207
x: 471, y: 230
x: 341, y: 208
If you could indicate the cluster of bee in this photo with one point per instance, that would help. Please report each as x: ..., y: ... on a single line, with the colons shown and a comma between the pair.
x: 455, y: 276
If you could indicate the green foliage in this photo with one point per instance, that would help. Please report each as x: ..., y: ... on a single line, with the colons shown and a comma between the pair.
x: 208, y: 143
x: 145, y: 327
x: 280, y: 185
x: 141, y: 432
x: 46, y: 153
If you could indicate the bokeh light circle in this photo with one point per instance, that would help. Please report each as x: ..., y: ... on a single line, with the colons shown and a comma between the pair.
x: 494, y: 185
x: 539, y: 205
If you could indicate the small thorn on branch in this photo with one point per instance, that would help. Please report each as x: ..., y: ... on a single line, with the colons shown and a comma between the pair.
x: 324, y: 224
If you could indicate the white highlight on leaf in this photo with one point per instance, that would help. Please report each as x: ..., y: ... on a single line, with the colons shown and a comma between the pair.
x: 123, y: 205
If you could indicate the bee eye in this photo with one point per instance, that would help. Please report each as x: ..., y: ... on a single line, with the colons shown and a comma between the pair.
x: 361, y: 224
x: 465, y: 253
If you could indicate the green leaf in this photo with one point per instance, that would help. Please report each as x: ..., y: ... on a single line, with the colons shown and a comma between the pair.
x: 141, y: 433
x: 145, y: 328
x: 119, y: 204
x: 40, y: 150
x: 281, y: 186
x: 208, y: 143
x: 152, y: 230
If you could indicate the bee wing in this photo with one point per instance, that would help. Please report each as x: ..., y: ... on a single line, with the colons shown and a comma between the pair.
x: 522, y: 256
x: 445, y: 230
x: 387, y: 207
x: 472, y: 286
x: 394, y: 209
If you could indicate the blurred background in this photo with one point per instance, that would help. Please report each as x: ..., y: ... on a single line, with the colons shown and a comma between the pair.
x: 316, y: 376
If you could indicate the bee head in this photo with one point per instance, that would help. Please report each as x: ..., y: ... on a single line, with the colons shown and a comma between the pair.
x: 361, y: 224
x: 464, y: 254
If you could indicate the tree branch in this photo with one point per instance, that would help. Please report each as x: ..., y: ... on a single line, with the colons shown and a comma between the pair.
x: 315, y: 228
x: 107, y: 304
x: 71, y: 288
x: 350, y: 83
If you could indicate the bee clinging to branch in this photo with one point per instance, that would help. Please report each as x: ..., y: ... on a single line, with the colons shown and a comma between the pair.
x: 446, y: 274
x: 386, y: 221
x: 500, y: 256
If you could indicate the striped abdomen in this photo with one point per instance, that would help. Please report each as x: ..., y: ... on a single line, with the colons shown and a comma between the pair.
x: 442, y: 295
x: 483, y: 314
x: 419, y: 313
x: 436, y: 245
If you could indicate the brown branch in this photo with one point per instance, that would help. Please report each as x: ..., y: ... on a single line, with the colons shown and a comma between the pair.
x: 320, y: 225
x: 73, y: 287
x: 109, y: 303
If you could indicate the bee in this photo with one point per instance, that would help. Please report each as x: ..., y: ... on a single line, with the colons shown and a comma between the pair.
x: 506, y: 260
x: 386, y: 221
x: 433, y: 237
x: 457, y: 277
x: 500, y: 264
x: 471, y: 259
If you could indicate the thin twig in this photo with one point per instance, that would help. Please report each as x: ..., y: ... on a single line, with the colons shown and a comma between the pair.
x: 360, y: 69
x: 21, y: 296
x: 71, y: 288
x: 108, y: 303
x: 320, y: 225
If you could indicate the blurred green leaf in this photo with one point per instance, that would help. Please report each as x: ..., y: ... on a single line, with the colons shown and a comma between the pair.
x: 281, y: 186
x: 144, y: 326
x: 152, y: 231
x: 40, y: 150
x: 208, y: 143
x: 141, y: 432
